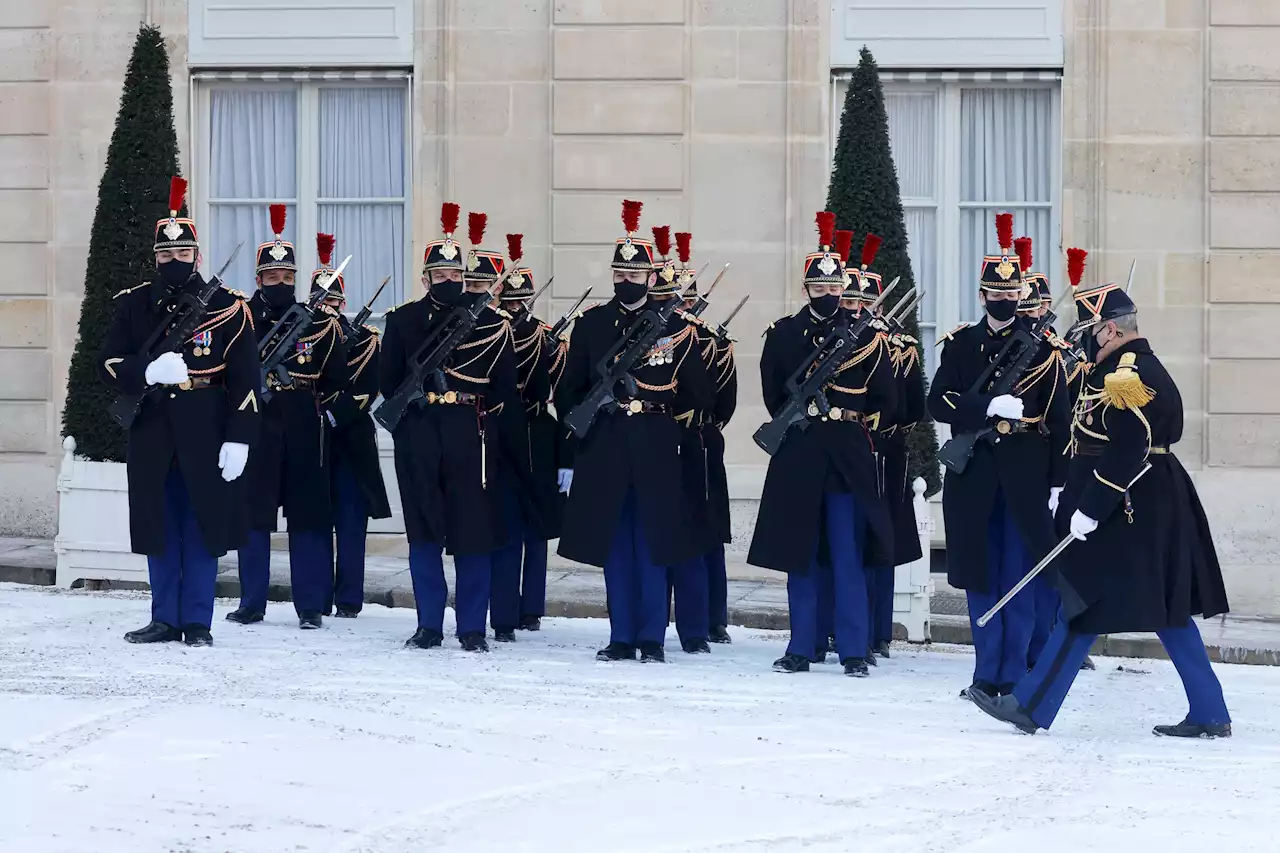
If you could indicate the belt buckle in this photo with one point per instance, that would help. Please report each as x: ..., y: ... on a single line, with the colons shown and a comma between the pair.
x: 450, y: 397
x: 813, y: 409
x: 635, y: 407
x: 185, y: 385
x: 836, y: 414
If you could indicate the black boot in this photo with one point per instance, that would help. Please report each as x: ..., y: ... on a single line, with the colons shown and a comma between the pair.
x: 719, y: 634
x: 617, y: 651
x: 504, y: 635
x: 1186, y: 728
x: 1005, y: 709
x: 882, y: 648
x: 347, y: 613
x: 245, y: 616
x: 310, y: 621
x: 696, y: 647
x: 197, y: 635
x: 156, y: 632
x: 982, y: 686
x: 856, y: 667
x: 871, y: 658
x: 531, y: 623
x: 651, y: 652
x: 819, y: 655
x: 473, y: 643
x: 791, y: 663
x: 1005, y: 689
x: 1088, y: 665
x: 424, y: 638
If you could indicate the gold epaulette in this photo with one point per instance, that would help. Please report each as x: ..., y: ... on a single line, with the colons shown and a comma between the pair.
x: 907, y: 339
x: 130, y: 290
x: 373, y: 330
x: 1123, y: 389
x: 401, y: 305
x: 325, y: 309
x: 502, y: 312
x: 949, y: 335
x: 236, y: 293
x: 770, y: 329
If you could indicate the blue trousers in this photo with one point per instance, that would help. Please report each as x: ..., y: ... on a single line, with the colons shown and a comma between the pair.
x: 1000, y: 649
x: 1046, y: 601
x: 350, y: 529
x: 635, y: 587
x: 183, y: 577
x: 431, y: 592
x: 504, y: 592
x: 533, y: 579
x: 717, y: 587
x: 880, y: 604
x: 1041, y: 692
x: 310, y: 570
x: 689, y: 583
x: 849, y: 586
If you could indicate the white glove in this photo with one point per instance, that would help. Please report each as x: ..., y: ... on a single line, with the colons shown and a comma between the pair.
x: 231, y: 459
x: 1082, y: 525
x: 1055, y: 492
x: 168, y: 369
x: 565, y: 479
x: 333, y: 422
x: 1005, y: 406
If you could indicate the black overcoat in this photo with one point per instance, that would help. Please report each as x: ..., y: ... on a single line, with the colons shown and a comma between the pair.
x: 891, y: 444
x: 624, y: 453
x: 355, y: 435
x: 1151, y: 563
x: 289, y: 466
x: 829, y: 456
x: 1018, y: 468
x: 725, y: 372
x: 452, y: 462
x: 536, y: 353
x: 186, y: 428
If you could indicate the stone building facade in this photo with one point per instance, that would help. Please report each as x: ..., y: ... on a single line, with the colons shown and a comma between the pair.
x: 719, y: 115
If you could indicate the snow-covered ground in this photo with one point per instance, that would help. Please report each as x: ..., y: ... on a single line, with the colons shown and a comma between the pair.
x: 340, y: 740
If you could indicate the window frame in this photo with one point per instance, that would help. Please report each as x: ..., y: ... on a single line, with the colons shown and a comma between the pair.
x: 307, y: 202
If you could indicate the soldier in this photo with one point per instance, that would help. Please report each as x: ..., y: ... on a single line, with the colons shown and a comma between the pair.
x: 289, y: 466
x: 357, y: 490
x: 996, y: 512
x: 623, y: 511
x: 1076, y: 363
x: 519, y: 595
x: 820, y: 504
x: 447, y: 446
x: 1145, y: 559
x: 190, y: 439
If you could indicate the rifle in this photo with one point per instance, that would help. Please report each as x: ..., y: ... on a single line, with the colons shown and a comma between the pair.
x: 562, y: 325
x: 428, y: 360
x: 1001, y: 377
x: 702, y: 302
x: 621, y: 358
x: 808, y: 383
x: 367, y: 310
x: 721, y: 331
x: 173, y: 333
x: 277, y: 347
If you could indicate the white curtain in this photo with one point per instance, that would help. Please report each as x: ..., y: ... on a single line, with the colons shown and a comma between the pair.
x: 1006, y: 157
x: 252, y: 164
x: 362, y: 188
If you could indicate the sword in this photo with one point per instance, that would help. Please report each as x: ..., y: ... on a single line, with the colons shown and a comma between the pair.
x: 1028, y: 578
x: 368, y: 306
x: 1132, y: 268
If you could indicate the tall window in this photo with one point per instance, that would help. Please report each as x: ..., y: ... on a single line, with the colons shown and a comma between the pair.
x: 965, y: 151
x: 333, y: 152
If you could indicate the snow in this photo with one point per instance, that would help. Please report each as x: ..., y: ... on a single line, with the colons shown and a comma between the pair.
x: 341, y: 741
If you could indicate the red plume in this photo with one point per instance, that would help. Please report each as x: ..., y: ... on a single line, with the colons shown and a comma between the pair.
x: 476, y: 223
x: 1075, y: 265
x: 631, y: 215
x: 826, y: 228
x: 177, y: 192
x: 684, y: 246
x: 515, y: 246
x: 324, y: 248
x: 869, y: 249
x: 449, y: 213
x: 844, y: 245
x: 278, y: 212
x: 1004, y: 230
x: 1023, y: 247
x: 662, y: 239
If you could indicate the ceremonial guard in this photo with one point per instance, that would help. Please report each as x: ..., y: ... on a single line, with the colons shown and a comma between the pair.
x: 1144, y: 559
x: 821, y: 505
x: 519, y: 595
x: 289, y: 466
x: 192, y: 412
x: 357, y: 490
x: 1077, y: 365
x: 624, y: 476
x: 997, y: 511
x: 447, y: 448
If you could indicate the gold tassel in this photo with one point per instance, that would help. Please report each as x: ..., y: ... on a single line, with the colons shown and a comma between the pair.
x: 1124, y: 389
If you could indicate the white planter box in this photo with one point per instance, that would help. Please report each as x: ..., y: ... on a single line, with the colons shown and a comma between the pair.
x: 93, y: 522
x: 912, y: 582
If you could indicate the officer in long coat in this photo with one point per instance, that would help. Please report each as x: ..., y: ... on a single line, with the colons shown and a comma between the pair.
x: 189, y: 442
x: 996, y: 512
x: 821, y: 505
x: 289, y: 466
x: 1145, y: 559
x: 447, y: 447
x: 357, y: 490
x: 624, y: 477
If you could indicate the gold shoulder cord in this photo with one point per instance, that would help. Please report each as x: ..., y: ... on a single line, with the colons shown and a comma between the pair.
x: 675, y: 370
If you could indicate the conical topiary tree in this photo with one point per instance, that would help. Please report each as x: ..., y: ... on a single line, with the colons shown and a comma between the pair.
x: 865, y: 197
x: 133, y: 194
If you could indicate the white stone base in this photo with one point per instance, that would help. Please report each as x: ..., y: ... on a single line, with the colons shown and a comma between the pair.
x: 93, y: 522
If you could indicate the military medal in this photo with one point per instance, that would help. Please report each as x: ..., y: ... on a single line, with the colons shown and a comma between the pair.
x: 202, y: 340
x: 304, y: 352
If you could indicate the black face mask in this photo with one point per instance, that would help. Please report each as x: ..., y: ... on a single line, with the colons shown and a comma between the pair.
x: 630, y: 292
x: 175, y: 274
x: 278, y: 296
x: 825, y: 306
x: 1001, y: 310
x: 446, y: 292
x: 1091, y: 347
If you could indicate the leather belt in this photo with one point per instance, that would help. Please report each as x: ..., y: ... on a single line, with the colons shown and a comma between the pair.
x: 197, y: 382
x: 1005, y: 426
x: 451, y: 398
x: 1097, y: 449
x: 643, y: 407
x: 295, y: 384
x: 837, y: 414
